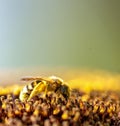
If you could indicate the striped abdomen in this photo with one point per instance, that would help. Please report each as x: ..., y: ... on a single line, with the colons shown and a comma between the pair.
x: 27, y: 89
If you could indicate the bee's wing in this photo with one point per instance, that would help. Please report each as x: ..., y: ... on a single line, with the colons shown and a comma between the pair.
x: 30, y: 78
x: 35, y: 78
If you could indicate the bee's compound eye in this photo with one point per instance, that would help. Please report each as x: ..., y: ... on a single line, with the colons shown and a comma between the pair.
x: 63, y: 89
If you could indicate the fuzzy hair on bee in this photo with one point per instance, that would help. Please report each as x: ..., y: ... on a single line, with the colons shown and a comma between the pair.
x: 43, y: 85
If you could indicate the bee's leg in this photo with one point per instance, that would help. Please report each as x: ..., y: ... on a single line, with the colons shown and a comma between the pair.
x: 37, y: 90
x: 45, y: 92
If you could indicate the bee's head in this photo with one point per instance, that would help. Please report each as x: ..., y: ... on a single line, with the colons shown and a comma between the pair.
x: 65, y: 91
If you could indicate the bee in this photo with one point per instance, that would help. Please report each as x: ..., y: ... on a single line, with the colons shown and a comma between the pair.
x: 43, y: 85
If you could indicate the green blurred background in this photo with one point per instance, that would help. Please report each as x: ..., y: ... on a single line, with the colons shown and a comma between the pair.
x: 60, y: 33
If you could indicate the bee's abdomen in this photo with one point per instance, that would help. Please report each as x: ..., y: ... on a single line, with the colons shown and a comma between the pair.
x: 26, y: 91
